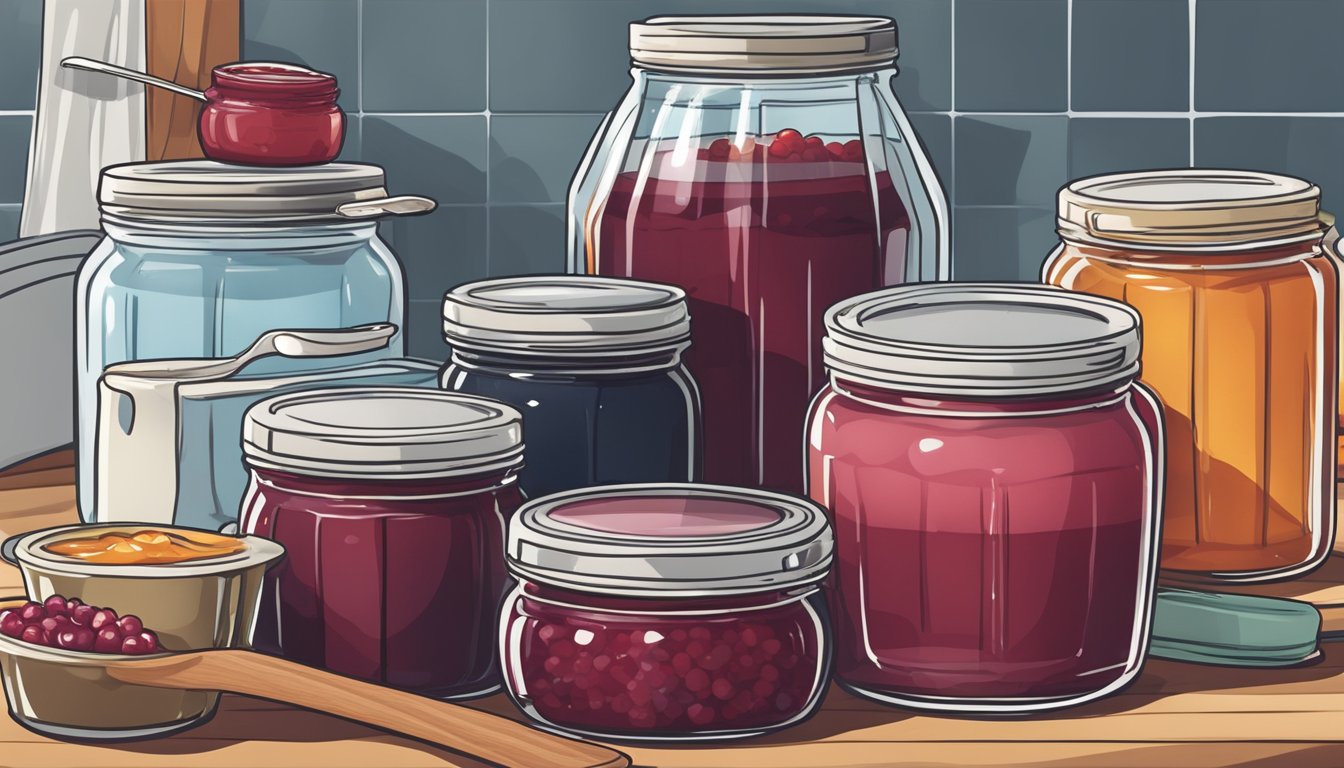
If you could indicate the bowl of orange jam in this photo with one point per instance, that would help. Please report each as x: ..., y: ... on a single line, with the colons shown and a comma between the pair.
x: 197, y: 589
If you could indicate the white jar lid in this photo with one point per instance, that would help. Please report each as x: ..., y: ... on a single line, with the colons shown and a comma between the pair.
x: 670, y: 540
x: 204, y: 191
x: 382, y: 432
x: 566, y: 316
x: 768, y: 44
x: 982, y: 340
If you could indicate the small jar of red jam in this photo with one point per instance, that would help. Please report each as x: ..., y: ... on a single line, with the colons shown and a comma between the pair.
x: 667, y: 612
x: 271, y: 114
x: 994, y: 474
x: 391, y: 503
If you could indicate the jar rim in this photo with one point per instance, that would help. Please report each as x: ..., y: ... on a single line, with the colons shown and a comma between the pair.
x: 275, y: 80
x: 767, y: 44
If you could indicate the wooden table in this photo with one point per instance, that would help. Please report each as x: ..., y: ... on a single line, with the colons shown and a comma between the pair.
x: 1174, y: 715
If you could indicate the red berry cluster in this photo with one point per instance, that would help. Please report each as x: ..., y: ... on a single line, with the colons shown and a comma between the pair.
x: 70, y: 624
x: 682, y: 677
x: 788, y: 145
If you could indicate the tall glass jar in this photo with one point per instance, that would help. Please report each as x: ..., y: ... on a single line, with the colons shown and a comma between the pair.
x: 1227, y: 270
x: 201, y: 258
x: 994, y: 476
x: 763, y: 164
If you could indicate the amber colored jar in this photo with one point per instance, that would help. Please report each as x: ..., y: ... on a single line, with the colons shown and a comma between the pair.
x: 1239, y: 308
x: 271, y: 114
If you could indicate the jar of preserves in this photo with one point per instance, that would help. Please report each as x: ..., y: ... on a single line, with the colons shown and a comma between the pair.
x: 594, y: 365
x: 994, y: 477
x: 763, y: 164
x: 261, y: 113
x: 667, y: 612
x: 200, y: 259
x: 1227, y: 270
x: 391, y: 504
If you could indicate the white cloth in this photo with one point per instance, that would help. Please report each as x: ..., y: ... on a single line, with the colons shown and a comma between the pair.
x: 85, y: 120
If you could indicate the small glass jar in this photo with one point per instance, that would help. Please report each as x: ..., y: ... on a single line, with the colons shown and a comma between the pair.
x: 271, y: 114
x: 994, y: 475
x: 667, y: 612
x: 391, y: 504
x: 594, y: 365
x: 1241, y: 306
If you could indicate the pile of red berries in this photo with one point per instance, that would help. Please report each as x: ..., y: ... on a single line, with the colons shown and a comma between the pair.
x: 789, y: 146
x: 70, y: 624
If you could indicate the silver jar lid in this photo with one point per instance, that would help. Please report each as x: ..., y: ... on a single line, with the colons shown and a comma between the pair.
x: 670, y: 540
x: 382, y: 432
x: 566, y: 316
x: 767, y: 44
x: 982, y: 340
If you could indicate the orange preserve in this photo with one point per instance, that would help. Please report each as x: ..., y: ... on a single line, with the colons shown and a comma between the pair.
x: 1239, y: 309
x: 146, y: 547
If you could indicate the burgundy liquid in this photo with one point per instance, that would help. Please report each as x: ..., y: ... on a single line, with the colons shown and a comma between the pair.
x: 763, y: 241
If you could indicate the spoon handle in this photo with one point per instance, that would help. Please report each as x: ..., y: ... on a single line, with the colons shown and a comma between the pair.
x: 93, y: 65
x: 463, y: 729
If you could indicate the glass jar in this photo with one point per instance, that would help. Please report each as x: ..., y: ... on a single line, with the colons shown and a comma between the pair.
x: 763, y: 164
x: 391, y: 504
x: 594, y: 365
x: 200, y: 259
x: 271, y: 114
x: 994, y: 476
x: 667, y: 612
x: 1227, y: 270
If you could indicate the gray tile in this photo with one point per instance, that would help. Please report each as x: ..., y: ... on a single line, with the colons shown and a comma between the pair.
x: 9, y: 222
x: 424, y: 55
x: 1269, y: 55
x: 935, y: 133
x: 527, y: 240
x: 1131, y: 55
x: 533, y: 157
x: 442, y: 156
x: 424, y: 330
x: 321, y: 34
x: 1106, y: 145
x: 20, y: 52
x: 15, y: 133
x: 354, y: 131
x: 1002, y: 243
x: 1011, y: 160
x: 549, y: 56
x: 1298, y: 146
x: 1012, y: 55
x: 438, y: 250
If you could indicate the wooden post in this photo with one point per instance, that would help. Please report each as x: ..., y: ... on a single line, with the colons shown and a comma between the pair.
x: 185, y: 40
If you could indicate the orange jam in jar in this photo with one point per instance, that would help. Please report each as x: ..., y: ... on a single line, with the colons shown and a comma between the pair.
x: 146, y: 547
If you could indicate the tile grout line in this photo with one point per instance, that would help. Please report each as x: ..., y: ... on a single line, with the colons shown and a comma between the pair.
x: 1068, y: 57
x: 952, y: 141
x: 359, y: 71
x: 489, y: 253
x: 1190, y: 107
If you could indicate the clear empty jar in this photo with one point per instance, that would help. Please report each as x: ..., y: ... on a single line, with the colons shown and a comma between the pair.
x: 667, y: 612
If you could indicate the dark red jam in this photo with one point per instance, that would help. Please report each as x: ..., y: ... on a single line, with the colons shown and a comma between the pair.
x: 763, y: 239
x: 271, y: 114
x: 661, y: 668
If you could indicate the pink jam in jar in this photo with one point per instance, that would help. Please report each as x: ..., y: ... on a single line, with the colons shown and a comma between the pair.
x: 271, y: 114
x: 391, y: 503
x: 994, y: 475
x: 667, y: 612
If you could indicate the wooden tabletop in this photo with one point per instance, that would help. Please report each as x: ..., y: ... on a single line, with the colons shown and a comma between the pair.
x: 1174, y: 715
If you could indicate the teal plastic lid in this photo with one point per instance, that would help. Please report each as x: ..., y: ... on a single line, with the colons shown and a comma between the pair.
x: 1233, y: 630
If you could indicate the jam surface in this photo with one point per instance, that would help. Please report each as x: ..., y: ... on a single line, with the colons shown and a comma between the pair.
x: 146, y: 547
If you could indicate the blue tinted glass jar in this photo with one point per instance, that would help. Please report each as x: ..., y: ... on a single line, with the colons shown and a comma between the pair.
x: 594, y: 364
x: 201, y: 258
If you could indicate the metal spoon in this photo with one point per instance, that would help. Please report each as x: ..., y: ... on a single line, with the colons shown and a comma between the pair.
x: 93, y: 65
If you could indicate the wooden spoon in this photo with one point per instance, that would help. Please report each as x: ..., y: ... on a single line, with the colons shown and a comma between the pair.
x: 462, y: 729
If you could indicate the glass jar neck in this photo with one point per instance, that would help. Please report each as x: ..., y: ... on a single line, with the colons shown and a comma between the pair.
x: 553, y: 595
x: 762, y: 80
x: 566, y: 365
x: 243, y: 235
x: 987, y: 406
x: 1230, y: 256
x: 364, y: 488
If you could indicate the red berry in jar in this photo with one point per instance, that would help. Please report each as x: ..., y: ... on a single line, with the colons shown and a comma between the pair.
x: 74, y: 625
x: 102, y: 617
x: 130, y: 625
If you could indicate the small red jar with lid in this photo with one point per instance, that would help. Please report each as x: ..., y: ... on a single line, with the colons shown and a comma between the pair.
x: 667, y: 612
x: 994, y: 474
x: 392, y: 505
x: 271, y: 114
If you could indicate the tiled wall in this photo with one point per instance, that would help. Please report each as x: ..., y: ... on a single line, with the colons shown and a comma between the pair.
x: 487, y: 105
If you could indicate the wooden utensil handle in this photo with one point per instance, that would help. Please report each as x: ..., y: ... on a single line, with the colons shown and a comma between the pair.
x: 480, y: 734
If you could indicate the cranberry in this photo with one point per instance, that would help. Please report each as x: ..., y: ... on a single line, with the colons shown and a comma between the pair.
x: 815, y: 154
x: 132, y: 645
x: 32, y: 612
x: 32, y: 634
x: 73, y: 625
x: 81, y: 614
x: 853, y: 151
x: 780, y: 150
x: 54, y: 605
x: 102, y: 617
x: 108, y: 640
x: 10, y: 624
x: 835, y: 149
x: 814, y: 142
x: 723, y: 689
x: 150, y: 642
x: 719, y: 149
x: 130, y: 624
x: 789, y: 136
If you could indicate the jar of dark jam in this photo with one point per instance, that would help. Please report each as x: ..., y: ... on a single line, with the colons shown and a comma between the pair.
x: 271, y: 114
x: 593, y: 364
x: 391, y: 503
x: 764, y: 165
x: 667, y: 612
x: 994, y: 473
